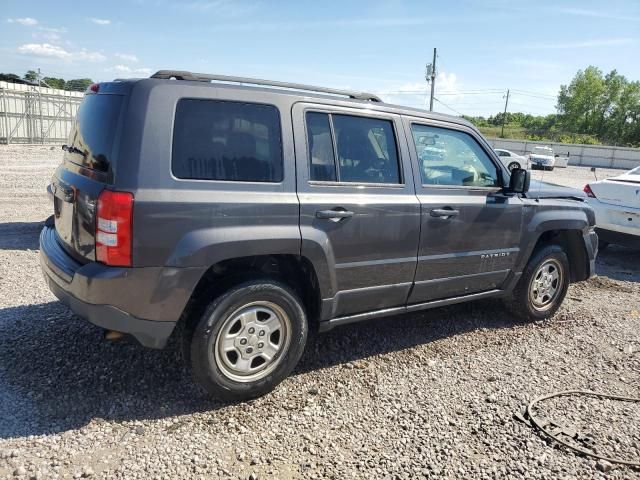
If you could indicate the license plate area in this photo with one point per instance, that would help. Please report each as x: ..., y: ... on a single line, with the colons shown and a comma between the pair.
x: 64, y: 210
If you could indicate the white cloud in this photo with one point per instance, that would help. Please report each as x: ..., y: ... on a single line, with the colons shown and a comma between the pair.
x: 603, y: 42
x: 127, y: 57
x: 85, y: 54
x: 26, y: 21
x: 222, y: 8
x: 100, y: 21
x: 52, y: 37
x: 126, y: 70
x: 46, y: 50
x: 580, y: 12
x: 416, y: 94
x: 53, y: 30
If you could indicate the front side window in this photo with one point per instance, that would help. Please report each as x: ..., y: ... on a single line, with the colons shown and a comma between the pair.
x: 451, y: 157
x: 347, y: 148
x: 222, y: 140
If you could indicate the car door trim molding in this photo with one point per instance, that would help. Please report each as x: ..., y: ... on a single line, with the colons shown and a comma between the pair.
x: 367, y: 263
x: 387, y: 312
x: 475, y: 253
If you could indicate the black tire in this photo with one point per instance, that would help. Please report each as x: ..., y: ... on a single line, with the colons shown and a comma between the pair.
x: 513, y: 165
x: 209, y: 368
x: 521, y: 301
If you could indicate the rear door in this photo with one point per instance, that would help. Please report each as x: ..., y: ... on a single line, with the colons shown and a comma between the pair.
x: 357, y: 204
x: 470, y: 234
x: 88, y: 165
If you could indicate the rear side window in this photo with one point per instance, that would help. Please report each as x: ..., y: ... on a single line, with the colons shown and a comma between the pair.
x: 321, y: 154
x: 93, y: 133
x: 349, y: 148
x: 221, y: 140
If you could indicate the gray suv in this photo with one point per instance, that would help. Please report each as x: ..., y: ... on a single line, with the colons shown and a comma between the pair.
x: 239, y: 215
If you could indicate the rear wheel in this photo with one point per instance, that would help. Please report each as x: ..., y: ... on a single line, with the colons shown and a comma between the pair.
x: 248, y: 340
x: 513, y: 165
x: 543, y: 285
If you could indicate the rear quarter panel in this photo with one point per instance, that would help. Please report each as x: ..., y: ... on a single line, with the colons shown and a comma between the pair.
x: 196, y: 223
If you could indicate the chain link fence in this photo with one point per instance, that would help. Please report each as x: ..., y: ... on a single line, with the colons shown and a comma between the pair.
x: 31, y: 114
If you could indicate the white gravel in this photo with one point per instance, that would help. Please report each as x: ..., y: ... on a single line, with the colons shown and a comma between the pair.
x: 427, y: 395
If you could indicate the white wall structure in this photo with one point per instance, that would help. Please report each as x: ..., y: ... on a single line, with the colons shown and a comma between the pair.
x: 588, y: 155
x: 31, y: 114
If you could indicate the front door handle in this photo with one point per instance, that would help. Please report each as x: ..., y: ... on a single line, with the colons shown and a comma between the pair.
x: 444, y: 212
x: 335, y: 215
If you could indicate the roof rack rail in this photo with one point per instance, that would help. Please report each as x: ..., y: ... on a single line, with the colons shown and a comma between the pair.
x: 204, y: 77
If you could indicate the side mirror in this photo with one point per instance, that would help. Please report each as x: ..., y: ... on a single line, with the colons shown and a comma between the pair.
x: 519, y: 181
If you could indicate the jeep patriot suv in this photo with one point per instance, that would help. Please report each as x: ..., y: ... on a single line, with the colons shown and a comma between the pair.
x: 239, y: 215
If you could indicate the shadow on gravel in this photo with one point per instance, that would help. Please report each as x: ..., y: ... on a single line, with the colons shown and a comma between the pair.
x: 619, y: 263
x: 20, y: 235
x: 57, y: 373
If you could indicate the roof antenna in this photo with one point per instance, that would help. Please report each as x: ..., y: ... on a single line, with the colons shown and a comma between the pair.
x: 593, y: 169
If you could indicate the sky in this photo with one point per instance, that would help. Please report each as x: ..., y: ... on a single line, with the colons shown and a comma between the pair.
x: 382, y: 46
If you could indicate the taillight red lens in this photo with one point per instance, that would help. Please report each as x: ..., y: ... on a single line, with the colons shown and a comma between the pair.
x: 114, y: 228
x: 588, y: 191
x: 94, y: 87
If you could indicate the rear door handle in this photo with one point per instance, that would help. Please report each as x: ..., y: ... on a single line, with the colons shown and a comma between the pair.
x: 444, y: 212
x: 335, y: 215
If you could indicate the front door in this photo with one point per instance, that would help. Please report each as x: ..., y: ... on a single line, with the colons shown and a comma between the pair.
x: 358, y: 209
x: 470, y: 235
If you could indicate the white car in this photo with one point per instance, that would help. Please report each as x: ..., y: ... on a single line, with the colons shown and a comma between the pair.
x: 511, y: 160
x: 616, y: 202
x: 542, y: 158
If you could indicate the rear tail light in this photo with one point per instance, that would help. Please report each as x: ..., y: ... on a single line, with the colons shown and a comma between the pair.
x: 114, y: 228
x: 588, y: 191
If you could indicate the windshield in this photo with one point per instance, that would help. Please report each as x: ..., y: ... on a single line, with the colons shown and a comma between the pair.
x: 635, y: 171
x: 542, y: 150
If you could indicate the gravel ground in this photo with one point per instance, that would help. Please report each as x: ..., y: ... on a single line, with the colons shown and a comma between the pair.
x: 427, y: 395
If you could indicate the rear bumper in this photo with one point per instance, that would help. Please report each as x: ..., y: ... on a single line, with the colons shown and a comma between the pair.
x: 144, y: 302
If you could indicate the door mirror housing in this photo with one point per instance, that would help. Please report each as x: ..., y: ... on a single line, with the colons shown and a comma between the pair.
x: 519, y: 181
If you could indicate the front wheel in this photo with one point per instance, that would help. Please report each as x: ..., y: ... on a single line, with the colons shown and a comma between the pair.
x: 248, y: 340
x: 542, y: 286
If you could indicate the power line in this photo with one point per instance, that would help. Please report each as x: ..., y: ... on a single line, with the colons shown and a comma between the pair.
x: 532, y: 94
x: 450, y: 108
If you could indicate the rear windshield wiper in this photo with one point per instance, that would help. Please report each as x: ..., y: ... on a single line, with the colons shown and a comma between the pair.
x: 72, y: 149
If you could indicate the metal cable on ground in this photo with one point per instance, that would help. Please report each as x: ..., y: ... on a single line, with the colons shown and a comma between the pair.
x: 540, y: 425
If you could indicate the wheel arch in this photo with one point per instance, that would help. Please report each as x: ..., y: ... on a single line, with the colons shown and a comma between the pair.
x: 294, y: 271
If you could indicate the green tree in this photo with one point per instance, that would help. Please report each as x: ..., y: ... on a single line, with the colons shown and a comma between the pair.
x: 79, y: 84
x: 581, y: 103
x: 55, y: 82
x: 31, y: 76
x: 9, y: 77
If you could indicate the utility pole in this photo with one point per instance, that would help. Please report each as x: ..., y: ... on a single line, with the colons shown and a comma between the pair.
x: 433, y: 80
x: 504, y: 115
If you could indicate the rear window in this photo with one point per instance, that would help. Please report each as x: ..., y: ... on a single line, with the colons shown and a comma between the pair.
x: 222, y: 140
x: 93, y: 133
